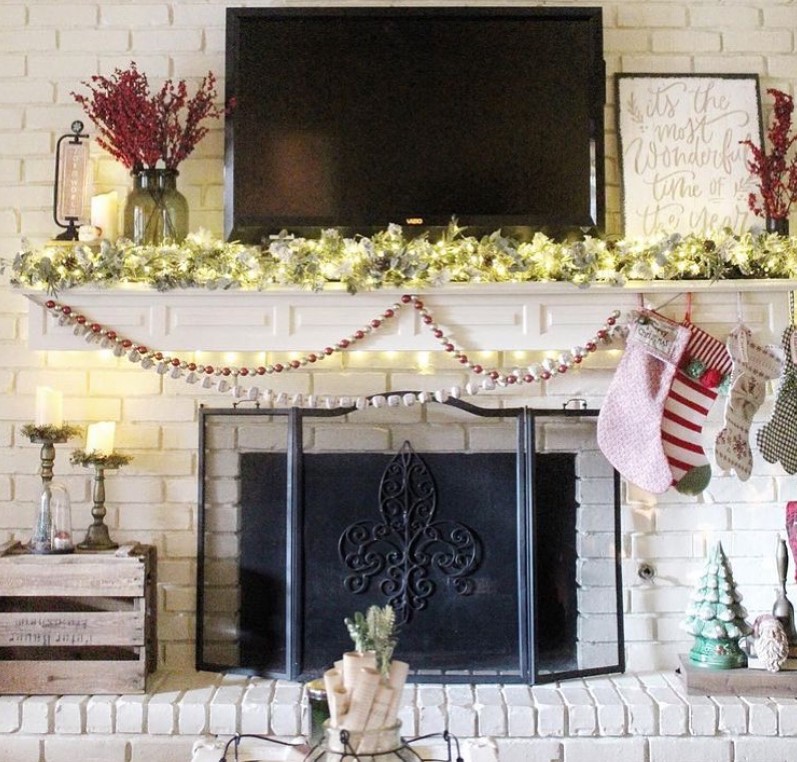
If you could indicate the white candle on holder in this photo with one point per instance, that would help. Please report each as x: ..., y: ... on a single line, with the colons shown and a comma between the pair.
x: 105, y: 214
x: 100, y: 436
x: 49, y: 407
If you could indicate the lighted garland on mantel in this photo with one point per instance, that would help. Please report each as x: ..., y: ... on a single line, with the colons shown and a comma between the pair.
x: 391, y: 259
x: 228, y: 379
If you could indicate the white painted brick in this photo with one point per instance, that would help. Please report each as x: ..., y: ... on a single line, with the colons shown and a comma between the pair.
x: 481, y: 750
x: 521, y: 720
x: 408, y: 718
x: 489, y: 694
x: 703, y: 716
x: 551, y: 712
x: 20, y: 749
x: 763, y: 716
x: 492, y: 720
x: 350, y: 384
x: 581, y: 717
x: 86, y: 749
x: 173, y: 749
x: 673, y: 714
x: 787, y: 716
x: 431, y: 719
x: 764, y: 749
x: 609, y: 708
x: 37, y: 714
x: 70, y: 714
x: 449, y: 438
x: 459, y: 694
x: 192, y: 711
x: 427, y: 383
x: 529, y: 750
x: 589, y: 750
x: 100, y: 714
x: 27, y: 40
x: 650, y: 15
x: 140, y: 15
x: 642, y: 712
x: 430, y: 695
x: 462, y: 720
x: 161, y: 713
x: 224, y: 710
x: 131, y: 714
x: 753, y: 41
x: 690, y: 749
x: 732, y: 718
x: 286, y: 709
x: 355, y: 438
x: 661, y: 599
x: 167, y: 40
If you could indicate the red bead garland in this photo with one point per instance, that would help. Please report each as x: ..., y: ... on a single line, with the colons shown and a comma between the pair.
x: 492, y: 377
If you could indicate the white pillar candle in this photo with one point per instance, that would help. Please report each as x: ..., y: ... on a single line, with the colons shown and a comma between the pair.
x: 105, y: 215
x: 100, y: 436
x: 49, y: 407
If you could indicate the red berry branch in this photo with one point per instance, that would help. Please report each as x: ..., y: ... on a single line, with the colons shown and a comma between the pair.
x: 777, y: 170
x: 139, y: 128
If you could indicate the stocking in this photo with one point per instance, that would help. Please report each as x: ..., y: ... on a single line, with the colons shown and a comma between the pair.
x: 629, y: 423
x: 753, y: 365
x: 777, y: 440
x: 694, y: 388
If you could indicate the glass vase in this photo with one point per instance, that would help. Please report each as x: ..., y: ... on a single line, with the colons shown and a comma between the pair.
x: 52, y: 530
x: 155, y: 211
x: 779, y: 225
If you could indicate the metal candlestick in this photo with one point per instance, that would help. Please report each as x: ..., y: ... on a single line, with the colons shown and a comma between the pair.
x: 783, y: 608
x: 97, y: 537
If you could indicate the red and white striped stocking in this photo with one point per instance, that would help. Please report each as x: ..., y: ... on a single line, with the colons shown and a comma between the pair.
x: 705, y: 364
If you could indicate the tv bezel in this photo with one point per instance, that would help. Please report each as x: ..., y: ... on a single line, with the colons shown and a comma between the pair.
x: 250, y: 230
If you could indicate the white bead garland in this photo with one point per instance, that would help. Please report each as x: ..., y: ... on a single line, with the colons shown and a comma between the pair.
x: 217, y: 378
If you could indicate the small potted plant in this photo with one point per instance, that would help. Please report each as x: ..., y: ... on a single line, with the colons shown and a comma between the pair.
x: 364, y: 690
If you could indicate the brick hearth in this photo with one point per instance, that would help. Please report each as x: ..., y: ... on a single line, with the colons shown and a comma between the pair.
x: 646, y: 717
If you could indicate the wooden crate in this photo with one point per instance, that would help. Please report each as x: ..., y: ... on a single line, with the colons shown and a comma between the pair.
x: 78, y: 623
x: 702, y: 681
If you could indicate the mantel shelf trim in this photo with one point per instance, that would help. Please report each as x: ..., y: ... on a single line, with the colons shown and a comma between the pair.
x: 498, y: 317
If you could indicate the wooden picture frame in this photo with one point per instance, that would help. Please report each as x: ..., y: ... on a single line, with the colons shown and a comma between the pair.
x: 682, y: 166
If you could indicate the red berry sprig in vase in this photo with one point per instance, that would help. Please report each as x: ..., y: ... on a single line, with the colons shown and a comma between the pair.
x: 151, y: 134
x: 775, y: 170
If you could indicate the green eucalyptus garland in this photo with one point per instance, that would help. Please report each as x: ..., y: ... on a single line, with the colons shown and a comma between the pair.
x: 391, y: 259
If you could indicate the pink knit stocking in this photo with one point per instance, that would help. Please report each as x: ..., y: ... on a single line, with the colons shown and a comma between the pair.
x: 630, y: 420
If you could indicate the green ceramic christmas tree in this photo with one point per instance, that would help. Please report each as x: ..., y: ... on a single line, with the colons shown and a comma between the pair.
x: 716, y: 616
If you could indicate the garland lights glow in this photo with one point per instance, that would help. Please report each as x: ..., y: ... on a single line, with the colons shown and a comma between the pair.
x: 228, y: 379
x: 389, y: 258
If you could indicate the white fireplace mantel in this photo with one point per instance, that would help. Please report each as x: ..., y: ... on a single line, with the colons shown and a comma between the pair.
x: 534, y: 316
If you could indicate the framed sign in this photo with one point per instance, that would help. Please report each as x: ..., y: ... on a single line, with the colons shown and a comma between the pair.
x: 682, y: 165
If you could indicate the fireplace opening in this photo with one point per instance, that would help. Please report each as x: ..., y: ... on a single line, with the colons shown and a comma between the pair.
x: 500, y: 557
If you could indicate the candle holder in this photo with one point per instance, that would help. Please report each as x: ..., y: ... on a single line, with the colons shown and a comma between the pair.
x: 97, y: 536
x: 47, y: 436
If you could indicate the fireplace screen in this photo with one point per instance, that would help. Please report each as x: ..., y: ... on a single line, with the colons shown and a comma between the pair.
x: 494, y: 534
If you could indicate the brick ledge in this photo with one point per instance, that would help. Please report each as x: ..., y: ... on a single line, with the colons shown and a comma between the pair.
x: 202, y: 704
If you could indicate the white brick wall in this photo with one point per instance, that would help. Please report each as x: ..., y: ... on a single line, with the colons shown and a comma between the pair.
x: 46, y: 50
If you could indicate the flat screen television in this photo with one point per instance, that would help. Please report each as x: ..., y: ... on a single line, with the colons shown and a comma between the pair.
x: 360, y: 117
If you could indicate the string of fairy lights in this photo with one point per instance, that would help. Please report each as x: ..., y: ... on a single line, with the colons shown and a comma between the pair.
x: 392, y: 259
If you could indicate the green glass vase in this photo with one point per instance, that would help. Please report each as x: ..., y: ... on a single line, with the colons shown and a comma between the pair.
x: 155, y: 211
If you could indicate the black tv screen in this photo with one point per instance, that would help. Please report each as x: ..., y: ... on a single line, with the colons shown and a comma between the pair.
x: 360, y: 117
